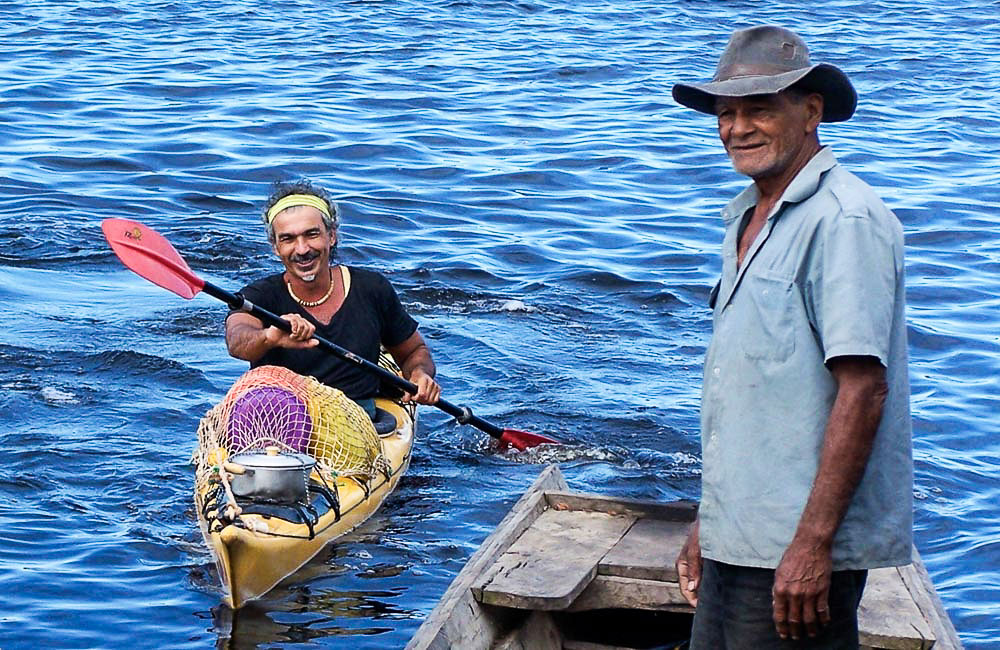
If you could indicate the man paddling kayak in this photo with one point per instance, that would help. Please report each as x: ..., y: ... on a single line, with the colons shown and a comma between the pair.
x: 355, y: 308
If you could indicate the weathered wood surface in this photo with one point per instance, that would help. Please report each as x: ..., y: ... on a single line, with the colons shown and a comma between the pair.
x: 919, y: 584
x: 614, y: 592
x: 553, y: 561
x: 539, y: 632
x: 459, y: 621
x: 901, y: 609
x: 647, y: 551
x: 547, y: 554
x: 673, y: 511
x: 888, y: 618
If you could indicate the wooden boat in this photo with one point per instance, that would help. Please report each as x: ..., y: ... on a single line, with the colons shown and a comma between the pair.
x: 579, y: 571
x: 263, y: 544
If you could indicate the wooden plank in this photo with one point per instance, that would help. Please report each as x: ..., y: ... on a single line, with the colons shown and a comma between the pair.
x: 919, y: 584
x: 458, y: 620
x: 552, y: 561
x: 888, y: 618
x: 615, y: 592
x: 647, y: 551
x: 671, y: 511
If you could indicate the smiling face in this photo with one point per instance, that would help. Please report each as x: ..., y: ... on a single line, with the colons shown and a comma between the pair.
x: 770, y: 136
x: 302, y: 241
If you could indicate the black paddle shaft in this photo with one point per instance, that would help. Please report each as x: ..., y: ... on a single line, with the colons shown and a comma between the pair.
x: 463, y: 414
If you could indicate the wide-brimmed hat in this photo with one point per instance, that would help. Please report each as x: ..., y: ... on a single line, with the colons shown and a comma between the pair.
x: 765, y: 60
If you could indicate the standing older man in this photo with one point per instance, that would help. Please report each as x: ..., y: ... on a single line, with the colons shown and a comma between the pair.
x: 807, y: 465
x: 355, y: 308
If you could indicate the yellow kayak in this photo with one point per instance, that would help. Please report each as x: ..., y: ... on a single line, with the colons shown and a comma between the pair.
x: 258, y: 538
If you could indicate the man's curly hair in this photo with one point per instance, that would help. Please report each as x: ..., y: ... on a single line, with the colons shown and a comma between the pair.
x: 281, y: 189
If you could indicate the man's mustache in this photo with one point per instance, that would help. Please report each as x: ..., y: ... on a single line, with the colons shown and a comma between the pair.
x: 304, y: 257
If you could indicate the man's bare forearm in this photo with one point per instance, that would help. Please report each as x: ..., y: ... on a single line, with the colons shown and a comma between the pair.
x: 419, y: 358
x: 246, y: 341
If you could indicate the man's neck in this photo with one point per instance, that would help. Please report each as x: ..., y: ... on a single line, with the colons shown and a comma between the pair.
x: 770, y: 188
x: 315, y: 288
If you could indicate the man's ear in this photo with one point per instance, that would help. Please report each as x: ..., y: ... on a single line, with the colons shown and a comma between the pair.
x: 814, y: 106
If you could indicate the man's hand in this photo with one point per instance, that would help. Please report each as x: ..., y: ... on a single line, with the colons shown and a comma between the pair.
x: 301, y: 335
x: 428, y: 390
x: 688, y: 566
x: 801, y: 590
x: 414, y: 358
x: 249, y: 339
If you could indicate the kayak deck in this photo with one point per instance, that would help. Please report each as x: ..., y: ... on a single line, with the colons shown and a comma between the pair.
x: 261, y: 546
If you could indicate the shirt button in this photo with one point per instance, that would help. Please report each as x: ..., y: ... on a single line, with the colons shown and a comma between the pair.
x: 717, y: 371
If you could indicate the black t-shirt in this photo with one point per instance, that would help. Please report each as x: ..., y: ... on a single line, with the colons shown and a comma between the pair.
x: 371, y: 315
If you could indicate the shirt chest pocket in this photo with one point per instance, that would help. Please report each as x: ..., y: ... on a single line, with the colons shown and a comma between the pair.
x: 770, y: 301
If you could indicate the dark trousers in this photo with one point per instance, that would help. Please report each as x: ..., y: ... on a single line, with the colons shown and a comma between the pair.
x: 735, y: 613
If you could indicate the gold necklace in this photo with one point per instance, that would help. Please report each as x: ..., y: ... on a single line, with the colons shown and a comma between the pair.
x: 313, y: 303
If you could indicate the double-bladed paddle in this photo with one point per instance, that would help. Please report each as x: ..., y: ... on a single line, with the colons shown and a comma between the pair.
x: 150, y: 255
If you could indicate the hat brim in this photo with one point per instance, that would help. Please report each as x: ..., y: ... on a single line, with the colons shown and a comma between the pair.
x: 839, y: 96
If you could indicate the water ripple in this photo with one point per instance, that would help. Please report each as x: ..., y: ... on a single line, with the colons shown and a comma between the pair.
x: 543, y: 207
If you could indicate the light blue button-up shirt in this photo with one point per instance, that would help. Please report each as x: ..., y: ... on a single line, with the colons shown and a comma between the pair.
x: 823, y: 278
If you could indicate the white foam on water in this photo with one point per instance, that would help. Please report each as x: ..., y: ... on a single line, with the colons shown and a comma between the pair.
x: 517, y: 305
x: 54, y: 395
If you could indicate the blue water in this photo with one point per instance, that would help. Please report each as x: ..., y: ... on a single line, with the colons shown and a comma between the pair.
x: 545, y: 210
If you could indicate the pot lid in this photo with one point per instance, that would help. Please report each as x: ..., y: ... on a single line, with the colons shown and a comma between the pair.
x: 272, y: 457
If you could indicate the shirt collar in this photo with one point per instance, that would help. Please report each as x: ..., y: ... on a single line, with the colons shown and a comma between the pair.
x: 804, y: 185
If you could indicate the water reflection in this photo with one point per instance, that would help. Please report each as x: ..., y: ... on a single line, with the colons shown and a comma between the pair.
x: 303, y: 612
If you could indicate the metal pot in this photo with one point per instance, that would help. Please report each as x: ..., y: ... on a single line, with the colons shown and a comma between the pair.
x: 270, y: 475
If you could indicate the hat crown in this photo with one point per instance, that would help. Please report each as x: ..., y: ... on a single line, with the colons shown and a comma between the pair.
x: 759, y: 51
x: 766, y: 60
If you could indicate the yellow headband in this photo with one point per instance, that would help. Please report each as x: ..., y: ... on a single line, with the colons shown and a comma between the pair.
x: 293, y: 200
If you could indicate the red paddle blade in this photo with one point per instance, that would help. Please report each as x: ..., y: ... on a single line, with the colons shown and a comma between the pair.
x: 521, y: 440
x: 149, y: 255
